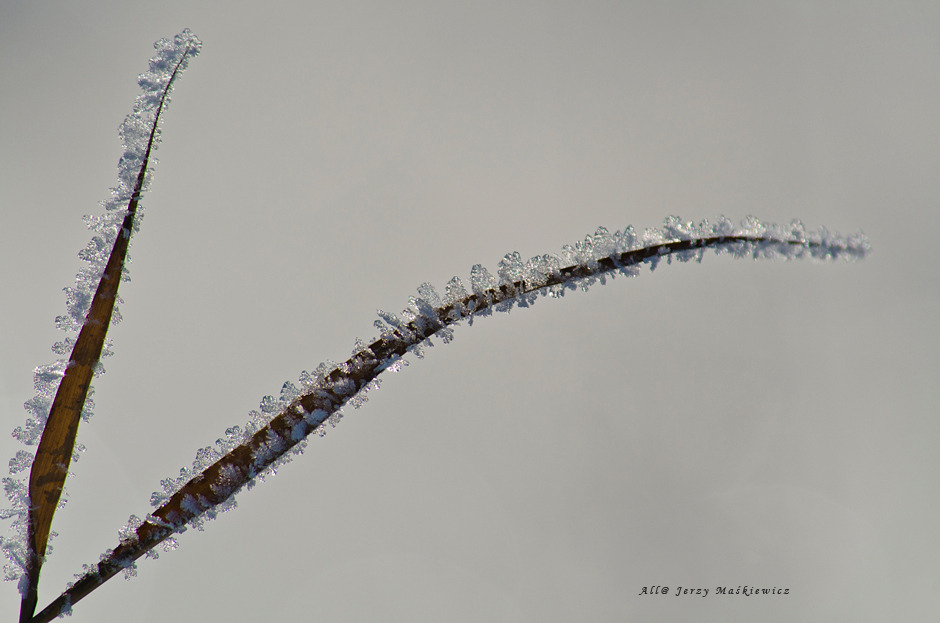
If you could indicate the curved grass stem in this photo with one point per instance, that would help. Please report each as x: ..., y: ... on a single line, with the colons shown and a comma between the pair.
x: 324, y: 397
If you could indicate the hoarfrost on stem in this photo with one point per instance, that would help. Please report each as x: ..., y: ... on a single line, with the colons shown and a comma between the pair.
x: 320, y: 395
x: 281, y: 427
x: 171, y: 57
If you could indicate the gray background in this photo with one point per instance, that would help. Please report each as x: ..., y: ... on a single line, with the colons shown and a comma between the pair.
x: 769, y: 424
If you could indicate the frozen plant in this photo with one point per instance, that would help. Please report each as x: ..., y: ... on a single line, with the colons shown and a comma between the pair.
x: 281, y: 426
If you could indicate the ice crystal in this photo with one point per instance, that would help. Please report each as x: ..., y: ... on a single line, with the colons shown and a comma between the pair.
x: 511, y: 269
x: 128, y: 533
x: 481, y: 281
x: 429, y: 295
x: 538, y: 269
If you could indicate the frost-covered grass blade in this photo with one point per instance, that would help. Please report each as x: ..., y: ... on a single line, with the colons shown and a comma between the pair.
x: 57, y: 442
x: 283, y: 425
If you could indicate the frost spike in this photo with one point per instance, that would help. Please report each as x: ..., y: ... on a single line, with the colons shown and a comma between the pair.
x: 311, y: 411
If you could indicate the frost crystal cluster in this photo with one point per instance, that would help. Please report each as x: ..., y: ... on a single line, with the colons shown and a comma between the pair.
x: 172, y: 55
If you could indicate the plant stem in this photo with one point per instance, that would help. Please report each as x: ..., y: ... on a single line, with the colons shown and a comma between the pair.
x: 309, y: 412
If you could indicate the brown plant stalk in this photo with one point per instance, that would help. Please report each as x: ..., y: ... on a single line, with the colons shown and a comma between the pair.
x: 319, y: 401
x: 54, y: 453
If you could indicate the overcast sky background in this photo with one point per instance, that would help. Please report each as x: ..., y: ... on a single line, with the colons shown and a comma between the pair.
x: 724, y: 424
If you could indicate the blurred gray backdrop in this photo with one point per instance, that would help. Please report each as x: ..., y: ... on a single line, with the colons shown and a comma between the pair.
x: 724, y: 424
